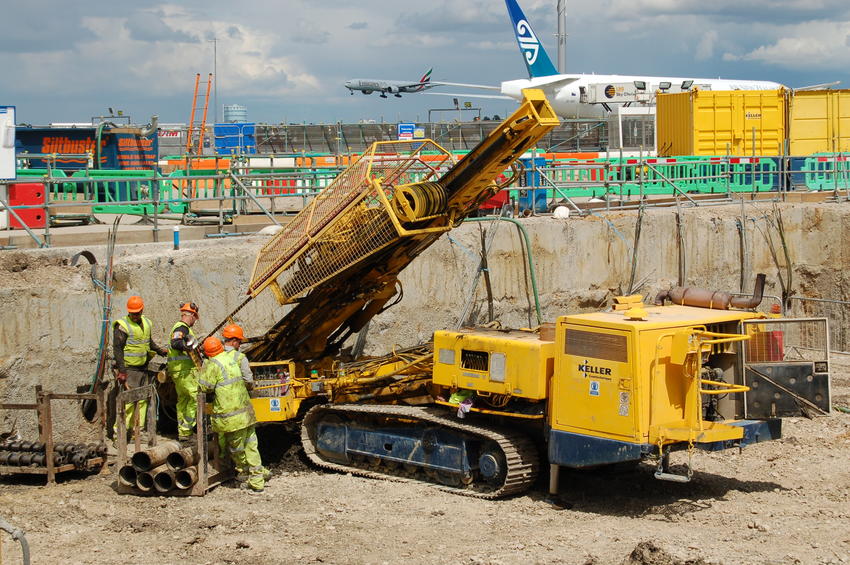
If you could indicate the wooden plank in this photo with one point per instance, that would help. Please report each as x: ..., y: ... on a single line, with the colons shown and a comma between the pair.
x: 12, y: 406
x: 35, y: 470
x: 72, y: 396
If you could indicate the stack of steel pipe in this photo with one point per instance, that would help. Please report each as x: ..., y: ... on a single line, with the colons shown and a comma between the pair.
x: 32, y: 453
x: 161, y: 469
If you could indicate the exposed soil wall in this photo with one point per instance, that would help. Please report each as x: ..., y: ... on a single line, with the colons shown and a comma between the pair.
x: 50, y: 312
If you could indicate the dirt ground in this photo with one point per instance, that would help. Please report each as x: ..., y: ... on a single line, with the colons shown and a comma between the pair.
x: 785, y: 502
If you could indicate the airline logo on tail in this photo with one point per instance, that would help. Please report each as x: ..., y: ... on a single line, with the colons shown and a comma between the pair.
x: 426, y: 78
x: 536, y: 59
x: 527, y: 41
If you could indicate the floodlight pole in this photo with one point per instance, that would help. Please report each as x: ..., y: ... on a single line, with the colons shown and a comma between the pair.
x: 214, y: 41
x: 562, y: 36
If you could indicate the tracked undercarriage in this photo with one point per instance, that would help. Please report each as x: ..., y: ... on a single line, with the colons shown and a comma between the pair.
x: 411, y: 443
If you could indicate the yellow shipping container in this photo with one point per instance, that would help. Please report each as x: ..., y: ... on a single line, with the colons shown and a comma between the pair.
x: 819, y: 122
x: 706, y: 122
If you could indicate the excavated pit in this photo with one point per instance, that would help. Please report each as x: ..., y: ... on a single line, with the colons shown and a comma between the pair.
x: 51, y: 311
x: 778, y: 502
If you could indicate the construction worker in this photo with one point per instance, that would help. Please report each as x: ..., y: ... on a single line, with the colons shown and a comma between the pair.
x: 182, y: 371
x: 133, y: 347
x: 233, y: 338
x: 232, y: 416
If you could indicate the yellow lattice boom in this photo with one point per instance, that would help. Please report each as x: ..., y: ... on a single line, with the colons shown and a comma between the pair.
x: 338, y: 261
x: 352, y: 218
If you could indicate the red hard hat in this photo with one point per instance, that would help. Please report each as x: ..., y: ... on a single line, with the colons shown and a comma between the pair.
x: 212, y: 346
x: 233, y: 331
x: 135, y: 304
x: 190, y: 307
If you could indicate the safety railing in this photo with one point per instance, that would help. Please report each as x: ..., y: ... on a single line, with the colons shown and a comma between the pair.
x: 206, y: 186
x: 624, y: 179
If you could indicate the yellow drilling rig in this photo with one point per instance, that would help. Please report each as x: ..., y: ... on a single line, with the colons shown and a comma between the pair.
x: 627, y: 384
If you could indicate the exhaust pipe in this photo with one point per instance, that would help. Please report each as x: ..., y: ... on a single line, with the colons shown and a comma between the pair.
x: 716, y: 300
x: 154, y: 457
x: 750, y: 302
x: 151, y: 127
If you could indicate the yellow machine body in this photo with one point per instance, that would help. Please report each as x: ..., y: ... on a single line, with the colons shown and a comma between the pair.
x: 492, y: 362
x: 630, y: 380
x: 274, y: 397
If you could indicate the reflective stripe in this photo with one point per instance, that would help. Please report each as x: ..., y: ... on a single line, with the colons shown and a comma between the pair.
x: 179, y: 362
x: 229, y: 381
x: 234, y: 413
x: 256, y: 469
x: 137, y: 346
x: 252, y: 439
x: 205, y: 384
x: 220, y: 366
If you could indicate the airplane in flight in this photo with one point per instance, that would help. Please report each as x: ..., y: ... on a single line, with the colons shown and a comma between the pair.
x: 591, y: 96
x: 399, y: 87
x: 395, y: 87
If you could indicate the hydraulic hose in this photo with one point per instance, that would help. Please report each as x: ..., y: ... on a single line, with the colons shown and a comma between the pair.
x: 527, y: 241
x: 18, y: 536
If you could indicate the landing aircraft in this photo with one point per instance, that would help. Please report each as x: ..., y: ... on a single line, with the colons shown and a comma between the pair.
x: 395, y: 87
x: 591, y: 96
x: 399, y: 87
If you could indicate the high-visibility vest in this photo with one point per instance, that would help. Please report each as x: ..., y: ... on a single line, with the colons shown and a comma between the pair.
x: 179, y: 362
x: 138, y: 341
x: 236, y: 356
x: 232, y: 409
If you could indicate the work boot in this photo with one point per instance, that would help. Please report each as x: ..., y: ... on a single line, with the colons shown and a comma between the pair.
x: 251, y: 490
x: 188, y: 441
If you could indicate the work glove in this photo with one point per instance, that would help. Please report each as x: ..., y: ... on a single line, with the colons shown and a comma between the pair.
x: 191, y: 343
x: 121, y: 377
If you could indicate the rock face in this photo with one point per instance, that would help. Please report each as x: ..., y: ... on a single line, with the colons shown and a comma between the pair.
x: 51, y: 312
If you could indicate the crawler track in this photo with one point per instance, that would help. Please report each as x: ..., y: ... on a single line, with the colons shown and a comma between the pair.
x: 519, y: 453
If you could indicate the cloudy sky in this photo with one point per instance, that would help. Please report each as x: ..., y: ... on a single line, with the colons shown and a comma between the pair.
x: 286, y: 61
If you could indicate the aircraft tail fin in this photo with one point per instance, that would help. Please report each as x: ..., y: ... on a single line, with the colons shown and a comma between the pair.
x: 425, y: 81
x: 538, y: 62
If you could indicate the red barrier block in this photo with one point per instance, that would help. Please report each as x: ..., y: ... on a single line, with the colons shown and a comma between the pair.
x: 27, y: 194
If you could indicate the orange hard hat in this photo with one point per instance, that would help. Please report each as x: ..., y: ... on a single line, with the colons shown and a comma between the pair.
x: 212, y: 346
x: 190, y: 307
x: 233, y: 331
x: 135, y: 304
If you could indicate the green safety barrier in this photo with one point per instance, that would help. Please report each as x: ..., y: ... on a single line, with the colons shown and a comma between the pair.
x: 113, y: 195
x: 826, y: 172
x: 689, y: 174
x: 59, y: 191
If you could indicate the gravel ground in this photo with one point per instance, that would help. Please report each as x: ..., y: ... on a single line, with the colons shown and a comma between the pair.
x: 784, y: 502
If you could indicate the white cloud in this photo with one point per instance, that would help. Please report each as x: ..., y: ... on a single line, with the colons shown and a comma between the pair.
x: 290, y: 58
x: 161, y: 66
x: 811, y: 45
x: 705, y: 47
